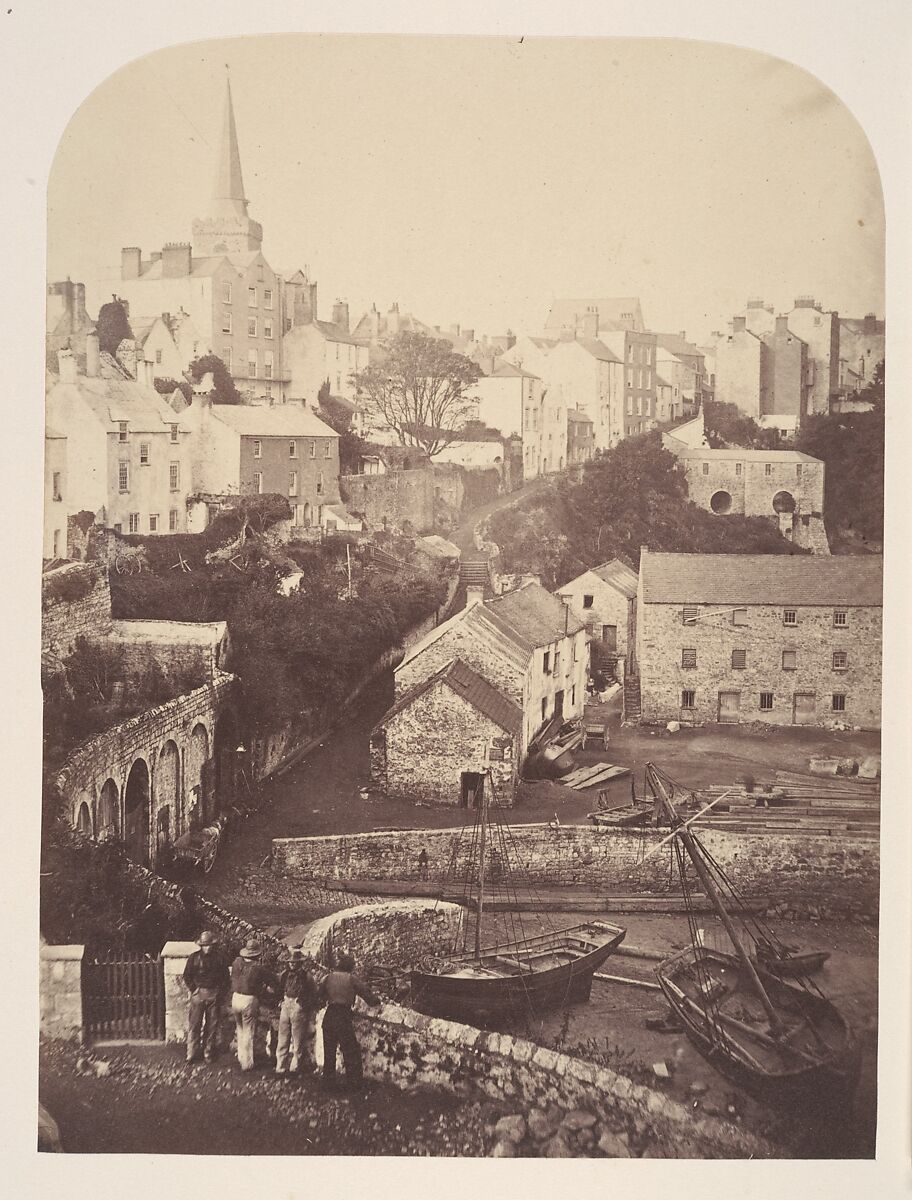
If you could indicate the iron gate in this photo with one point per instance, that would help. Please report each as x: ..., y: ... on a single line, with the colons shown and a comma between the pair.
x: 123, y: 996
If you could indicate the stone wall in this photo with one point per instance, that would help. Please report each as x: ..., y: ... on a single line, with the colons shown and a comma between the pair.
x: 60, y: 991
x: 663, y: 636
x: 750, y: 487
x: 833, y: 873
x: 461, y: 640
x: 388, y: 501
x: 63, y: 621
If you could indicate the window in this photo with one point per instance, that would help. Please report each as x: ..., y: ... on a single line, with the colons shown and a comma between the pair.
x: 267, y: 329
x: 153, y: 522
x: 706, y: 468
x: 267, y: 364
x: 544, y: 707
x: 320, y: 484
x: 226, y: 358
x: 840, y: 618
x: 226, y: 322
x: 739, y: 616
x: 251, y: 327
x: 287, y: 324
x: 739, y: 660
x: 840, y: 660
x: 790, y: 616
x: 158, y: 356
x: 573, y: 696
x: 173, y: 429
x: 251, y: 364
x: 789, y: 660
x: 56, y: 486
x: 689, y: 658
x: 292, y: 483
x: 689, y: 614
x: 327, y: 448
x: 134, y: 523
x: 251, y: 297
x: 588, y: 601
x: 839, y: 702
x: 267, y: 298
x: 174, y: 476
x: 766, y: 701
x: 292, y: 449
x: 123, y: 477
x: 118, y: 528
x: 121, y: 431
x: 226, y: 293
x: 546, y: 662
x: 556, y: 661
x: 629, y: 405
x: 257, y: 448
x: 258, y: 482
x: 172, y: 520
x: 737, y: 468
x: 313, y: 449
x: 268, y: 390
x: 144, y: 454
x: 688, y: 698
x: 798, y: 470
x: 768, y: 468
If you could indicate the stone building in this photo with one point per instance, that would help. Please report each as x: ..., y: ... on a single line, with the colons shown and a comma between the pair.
x: 819, y: 329
x: 580, y: 437
x: 783, y: 639
x: 604, y: 598
x: 317, y: 352
x: 444, y: 736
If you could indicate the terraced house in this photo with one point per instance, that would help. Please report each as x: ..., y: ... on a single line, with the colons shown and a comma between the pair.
x: 783, y: 639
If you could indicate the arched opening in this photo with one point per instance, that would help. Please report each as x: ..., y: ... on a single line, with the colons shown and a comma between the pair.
x: 783, y: 502
x: 196, y: 761
x: 136, y: 813
x: 167, y: 792
x: 721, y: 502
x: 307, y: 516
x: 108, y: 805
x: 84, y: 820
x: 227, y: 763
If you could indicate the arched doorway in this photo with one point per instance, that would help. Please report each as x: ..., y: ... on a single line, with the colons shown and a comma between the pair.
x: 721, y: 502
x: 167, y: 793
x: 108, y: 815
x: 84, y: 820
x: 783, y: 502
x: 196, y: 760
x: 136, y: 813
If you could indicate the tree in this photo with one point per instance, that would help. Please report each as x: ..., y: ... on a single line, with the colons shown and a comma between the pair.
x: 166, y: 387
x: 420, y: 390
x: 112, y: 326
x: 727, y: 426
x: 337, y: 413
x: 225, y: 390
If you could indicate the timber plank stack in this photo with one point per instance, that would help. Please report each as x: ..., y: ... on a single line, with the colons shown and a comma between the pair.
x: 797, y: 803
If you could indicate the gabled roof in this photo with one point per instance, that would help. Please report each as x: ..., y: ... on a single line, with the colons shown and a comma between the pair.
x: 530, y: 617
x: 857, y: 325
x: 334, y: 333
x: 677, y: 345
x: 280, y: 420
x: 619, y: 575
x: 504, y: 370
x: 577, y: 415
x: 852, y: 580
x: 597, y: 349
x: 739, y: 454
x: 470, y: 686
x: 115, y: 400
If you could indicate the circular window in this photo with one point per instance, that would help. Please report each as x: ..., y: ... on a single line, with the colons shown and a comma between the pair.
x: 783, y: 502
x: 721, y: 502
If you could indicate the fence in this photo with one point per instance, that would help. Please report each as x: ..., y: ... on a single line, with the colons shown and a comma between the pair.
x: 123, y: 997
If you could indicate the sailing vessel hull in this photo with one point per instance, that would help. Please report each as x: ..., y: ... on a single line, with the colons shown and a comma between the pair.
x: 480, y: 991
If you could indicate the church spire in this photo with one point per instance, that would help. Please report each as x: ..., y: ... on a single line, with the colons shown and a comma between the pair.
x: 228, y: 192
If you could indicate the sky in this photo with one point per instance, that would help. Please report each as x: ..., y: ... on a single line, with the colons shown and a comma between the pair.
x: 473, y: 180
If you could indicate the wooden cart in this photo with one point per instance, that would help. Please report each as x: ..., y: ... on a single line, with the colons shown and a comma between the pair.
x: 199, y: 847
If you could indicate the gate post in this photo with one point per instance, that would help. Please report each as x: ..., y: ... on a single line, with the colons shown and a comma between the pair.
x: 174, y: 956
x: 61, y: 991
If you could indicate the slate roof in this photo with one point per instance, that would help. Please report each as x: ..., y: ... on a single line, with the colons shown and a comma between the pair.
x: 281, y: 420
x: 468, y: 684
x: 674, y: 343
x: 750, y: 579
x: 336, y: 333
x: 597, y: 349
x: 619, y: 575
x: 505, y: 369
x: 530, y: 617
x: 115, y: 400
x: 740, y: 454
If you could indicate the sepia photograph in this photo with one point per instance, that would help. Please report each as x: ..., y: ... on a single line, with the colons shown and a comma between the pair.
x: 462, y: 589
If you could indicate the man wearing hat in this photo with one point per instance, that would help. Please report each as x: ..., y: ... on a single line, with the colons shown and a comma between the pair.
x: 299, y: 996
x: 206, y: 977
x: 339, y: 990
x: 250, y: 982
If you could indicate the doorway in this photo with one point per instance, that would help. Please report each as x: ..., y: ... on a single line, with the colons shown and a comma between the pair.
x: 471, y: 789
x: 558, y: 704
x: 805, y: 708
x: 729, y: 708
x: 610, y: 638
x: 136, y: 814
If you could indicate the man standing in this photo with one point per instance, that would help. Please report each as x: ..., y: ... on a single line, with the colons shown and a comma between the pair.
x: 339, y: 990
x: 298, y: 1003
x: 251, y: 982
x: 206, y: 977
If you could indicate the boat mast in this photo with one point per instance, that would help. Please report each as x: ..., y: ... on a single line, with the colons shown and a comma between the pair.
x: 683, y: 832
x: 479, y: 906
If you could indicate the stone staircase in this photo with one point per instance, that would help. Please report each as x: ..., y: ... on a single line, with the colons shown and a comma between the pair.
x: 632, y: 708
x: 475, y: 571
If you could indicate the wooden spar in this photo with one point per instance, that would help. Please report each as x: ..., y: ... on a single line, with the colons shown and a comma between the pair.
x: 481, y: 866
x: 711, y: 890
x: 689, y: 821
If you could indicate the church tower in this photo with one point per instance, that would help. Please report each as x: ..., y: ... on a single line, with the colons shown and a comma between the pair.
x: 227, y: 229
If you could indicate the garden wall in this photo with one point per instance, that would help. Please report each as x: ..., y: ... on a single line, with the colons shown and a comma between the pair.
x: 86, y: 614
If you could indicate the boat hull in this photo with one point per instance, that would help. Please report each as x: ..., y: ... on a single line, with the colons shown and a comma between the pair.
x: 480, y: 992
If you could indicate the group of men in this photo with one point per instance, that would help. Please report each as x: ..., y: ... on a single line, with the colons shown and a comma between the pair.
x: 256, y: 989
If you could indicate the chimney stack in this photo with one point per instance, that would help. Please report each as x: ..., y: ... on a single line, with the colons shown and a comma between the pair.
x: 392, y: 319
x: 567, y: 333
x: 93, y: 355
x: 130, y: 262
x: 589, y: 323
x: 739, y: 324
x: 374, y: 323
x: 66, y: 365
x: 782, y: 324
x: 340, y: 314
x: 177, y: 260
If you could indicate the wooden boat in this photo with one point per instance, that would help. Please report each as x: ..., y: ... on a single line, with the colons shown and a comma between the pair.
x: 791, y: 962
x: 626, y: 816
x: 783, y: 1041
x: 529, y: 975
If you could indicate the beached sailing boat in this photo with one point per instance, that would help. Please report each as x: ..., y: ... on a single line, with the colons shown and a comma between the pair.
x: 527, y: 974
x: 783, y: 1041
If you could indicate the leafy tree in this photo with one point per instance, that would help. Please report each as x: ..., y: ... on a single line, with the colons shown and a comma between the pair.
x: 420, y: 390
x: 225, y: 390
x: 112, y: 326
x: 167, y: 386
x: 727, y: 426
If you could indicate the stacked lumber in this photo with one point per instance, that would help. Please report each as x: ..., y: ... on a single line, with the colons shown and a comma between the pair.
x: 586, y: 777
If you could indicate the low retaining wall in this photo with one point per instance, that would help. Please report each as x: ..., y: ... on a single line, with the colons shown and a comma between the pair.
x: 832, y: 873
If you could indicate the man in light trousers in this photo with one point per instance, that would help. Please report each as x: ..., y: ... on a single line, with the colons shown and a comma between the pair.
x: 250, y: 982
x: 298, y: 1003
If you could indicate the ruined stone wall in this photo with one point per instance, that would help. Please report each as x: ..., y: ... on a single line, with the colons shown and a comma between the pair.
x: 832, y: 873
x: 88, y: 615
x: 388, y: 501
